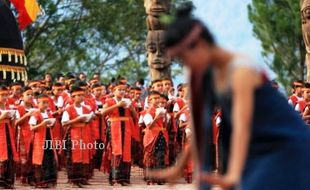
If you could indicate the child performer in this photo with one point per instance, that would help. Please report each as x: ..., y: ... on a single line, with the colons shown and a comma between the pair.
x: 44, y: 157
x: 98, y: 124
x: 303, y: 105
x: 120, y: 113
x: 297, y: 93
x: 24, y: 111
x: 156, y: 137
x: 75, y: 122
x: 8, y: 152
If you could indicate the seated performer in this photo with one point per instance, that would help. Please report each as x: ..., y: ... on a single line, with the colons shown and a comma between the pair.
x: 120, y: 114
x: 75, y: 122
x: 156, y: 137
x: 8, y: 154
x: 44, y: 157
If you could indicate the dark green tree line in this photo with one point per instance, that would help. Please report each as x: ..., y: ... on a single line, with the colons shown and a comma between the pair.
x: 277, y: 24
x: 105, y: 36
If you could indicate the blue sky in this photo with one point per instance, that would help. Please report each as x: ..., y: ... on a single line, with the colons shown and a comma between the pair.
x: 228, y: 21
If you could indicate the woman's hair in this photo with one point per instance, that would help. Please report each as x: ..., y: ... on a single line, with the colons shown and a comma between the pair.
x: 182, y: 26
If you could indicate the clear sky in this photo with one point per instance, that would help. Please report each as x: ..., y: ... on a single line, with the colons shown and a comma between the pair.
x: 228, y: 21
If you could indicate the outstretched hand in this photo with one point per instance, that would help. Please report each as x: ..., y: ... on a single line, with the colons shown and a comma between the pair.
x: 170, y: 174
x: 226, y: 182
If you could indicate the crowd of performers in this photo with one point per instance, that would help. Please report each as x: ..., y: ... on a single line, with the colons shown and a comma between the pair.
x: 300, y: 99
x: 78, y: 125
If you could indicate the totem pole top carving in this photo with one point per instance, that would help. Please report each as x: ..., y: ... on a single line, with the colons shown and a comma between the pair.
x: 305, y: 17
x: 156, y: 7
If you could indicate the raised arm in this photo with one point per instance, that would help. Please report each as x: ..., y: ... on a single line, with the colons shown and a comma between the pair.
x: 42, y: 124
x: 22, y: 119
x: 106, y: 109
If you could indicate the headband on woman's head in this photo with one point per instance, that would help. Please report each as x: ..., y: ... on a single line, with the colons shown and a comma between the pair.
x: 190, y: 38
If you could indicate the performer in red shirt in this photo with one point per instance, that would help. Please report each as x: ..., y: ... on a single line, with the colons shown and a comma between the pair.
x: 297, y: 93
x: 8, y: 154
x: 120, y: 114
x: 44, y: 157
x: 75, y: 122
x: 156, y: 138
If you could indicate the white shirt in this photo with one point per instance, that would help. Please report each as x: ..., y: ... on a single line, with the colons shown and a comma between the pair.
x: 60, y: 102
x: 66, y: 117
x: 218, y: 121
x: 17, y: 114
x: 146, y: 103
x: 33, y: 119
x: 140, y: 120
x: 298, y: 99
x: 183, y: 117
x: 176, y: 107
x: 148, y: 119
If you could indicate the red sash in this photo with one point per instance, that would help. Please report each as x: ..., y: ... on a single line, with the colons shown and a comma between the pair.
x: 294, y: 100
x: 57, y: 127
x: 39, y: 140
x: 78, y: 134
x: 151, y: 134
x: 25, y: 132
x: 118, y: 148
x: 3, y: 141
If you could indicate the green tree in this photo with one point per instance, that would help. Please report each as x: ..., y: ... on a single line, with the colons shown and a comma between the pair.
x: 277, y: 24
x: 105, y: 36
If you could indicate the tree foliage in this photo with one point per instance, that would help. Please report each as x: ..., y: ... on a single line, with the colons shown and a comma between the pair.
x: 105, y: 36
x: 277, y: 24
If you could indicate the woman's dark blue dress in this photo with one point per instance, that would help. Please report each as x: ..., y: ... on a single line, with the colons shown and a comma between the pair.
x: 279, y: 149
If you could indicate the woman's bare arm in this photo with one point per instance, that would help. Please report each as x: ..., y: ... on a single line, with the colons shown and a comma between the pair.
x: 245, y: 81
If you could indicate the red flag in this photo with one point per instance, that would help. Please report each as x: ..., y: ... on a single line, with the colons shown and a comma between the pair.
x: 27, y: 11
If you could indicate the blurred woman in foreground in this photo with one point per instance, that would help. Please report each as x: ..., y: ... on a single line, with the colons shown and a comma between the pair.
x: 266, y: 144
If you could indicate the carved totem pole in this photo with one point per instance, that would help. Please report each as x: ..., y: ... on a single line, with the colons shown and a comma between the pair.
x: 305, y: 18
x: 159, y: 63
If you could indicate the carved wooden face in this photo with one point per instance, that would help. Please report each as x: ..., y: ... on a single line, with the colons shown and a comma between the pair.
x: 305, y: 17
x: 156, y: 7
x: 156, y: 56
